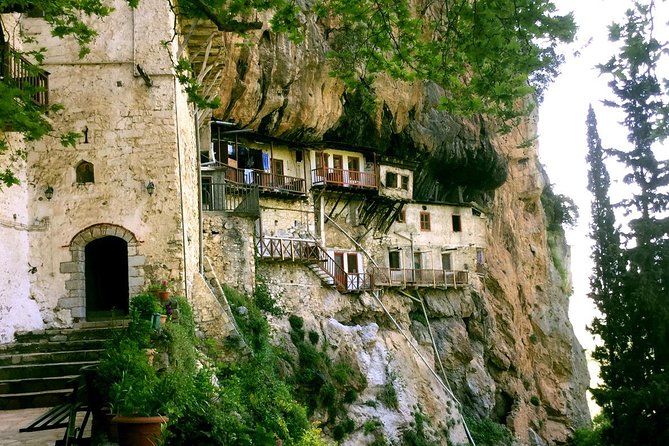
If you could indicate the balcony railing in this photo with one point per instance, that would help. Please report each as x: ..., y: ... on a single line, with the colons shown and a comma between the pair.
x: 230, y: 198
x: 341, y: 177
x: 266, y: 181
x: 17, y: 71
x: 435, y: 278
x: 310, y: 251
x: 277, y: 248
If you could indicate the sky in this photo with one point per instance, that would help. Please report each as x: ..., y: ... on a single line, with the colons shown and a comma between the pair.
x: 562, y: 138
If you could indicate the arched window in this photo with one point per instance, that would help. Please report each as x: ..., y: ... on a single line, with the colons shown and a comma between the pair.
x: 85, y: 172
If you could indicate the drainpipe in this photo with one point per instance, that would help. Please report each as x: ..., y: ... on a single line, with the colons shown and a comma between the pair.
x: 199, y: 194
x: 184, y: 235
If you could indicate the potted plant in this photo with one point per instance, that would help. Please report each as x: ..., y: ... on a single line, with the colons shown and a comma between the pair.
x: 164, y: 291
x: 161, y: 290
x: 144, y: 396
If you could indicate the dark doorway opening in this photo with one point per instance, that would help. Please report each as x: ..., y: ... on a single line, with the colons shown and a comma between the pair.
x: 106, y: 274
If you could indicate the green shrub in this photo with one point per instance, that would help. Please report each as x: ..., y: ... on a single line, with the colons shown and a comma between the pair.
x: 263, y: 297
x: 535, y: 400
x: 488, y: 433
x: 388, y: 393
x: 417, y: 435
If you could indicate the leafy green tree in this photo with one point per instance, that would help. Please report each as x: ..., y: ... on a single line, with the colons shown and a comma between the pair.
x: 631, y: 288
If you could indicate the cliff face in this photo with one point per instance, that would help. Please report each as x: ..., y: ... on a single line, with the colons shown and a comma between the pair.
x: 506, y: 344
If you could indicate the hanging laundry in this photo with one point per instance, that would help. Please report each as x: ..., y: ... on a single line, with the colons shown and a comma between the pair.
x: 265, y: 162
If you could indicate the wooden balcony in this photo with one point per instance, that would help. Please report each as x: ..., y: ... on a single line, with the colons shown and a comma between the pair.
x: 327, y: 176
x: 293, y: 249
x: 432, y: 278
x: 18, y: 72
x: 266, y: 181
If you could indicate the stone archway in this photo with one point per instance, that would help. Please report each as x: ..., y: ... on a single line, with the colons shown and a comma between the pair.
x: 75, y: 285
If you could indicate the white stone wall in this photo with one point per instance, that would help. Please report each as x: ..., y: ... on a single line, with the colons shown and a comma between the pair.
x: 18, y: 311
x: 138, y: 131
x: 287, y: 218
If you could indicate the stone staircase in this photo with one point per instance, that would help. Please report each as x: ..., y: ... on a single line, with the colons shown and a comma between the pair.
x: 325, y: 278
x: 38, y: 368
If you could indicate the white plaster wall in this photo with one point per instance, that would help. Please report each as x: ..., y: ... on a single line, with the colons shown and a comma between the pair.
x: 18, y: 311
x: 395, y: 192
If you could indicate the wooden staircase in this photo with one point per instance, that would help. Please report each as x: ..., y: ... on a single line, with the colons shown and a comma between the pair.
x: 315, y: 256
x: 38, y: 369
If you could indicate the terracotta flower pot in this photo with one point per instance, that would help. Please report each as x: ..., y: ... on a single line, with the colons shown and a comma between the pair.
x: 164, y: 295
x: 139, y: 431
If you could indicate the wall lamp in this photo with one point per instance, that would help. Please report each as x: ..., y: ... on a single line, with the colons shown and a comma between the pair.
x: 150, y: 187
x: 48, y: 192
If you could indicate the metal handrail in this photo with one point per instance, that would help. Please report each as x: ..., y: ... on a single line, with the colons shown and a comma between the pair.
x: 231, y: 198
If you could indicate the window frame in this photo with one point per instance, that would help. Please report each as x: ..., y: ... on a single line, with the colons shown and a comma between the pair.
x: 425, y: 221
x: 456, y: 222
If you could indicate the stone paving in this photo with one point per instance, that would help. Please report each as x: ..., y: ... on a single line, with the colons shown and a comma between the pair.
x: 12, y: 420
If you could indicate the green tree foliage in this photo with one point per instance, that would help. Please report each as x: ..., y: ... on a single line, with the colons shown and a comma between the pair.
x: 486, y: 54
x: 630, y: 281
x: 483, y: 53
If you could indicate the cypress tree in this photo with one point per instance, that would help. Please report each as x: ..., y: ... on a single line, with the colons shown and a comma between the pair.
x: 635, y: 300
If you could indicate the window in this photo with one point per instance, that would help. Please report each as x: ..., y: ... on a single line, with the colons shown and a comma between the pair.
x: 405, y: 182
x: 352, y: 265
x: 354, y: 168
x: 394, y: 260
x: 446, y: 261
x: 85, y: 172
x: 425, y: 221
x: 207, y: 192
x: 417, y: 260
x: 277, y: 167
x: 391, y: 179
x: 457, y: 224
x: 401, y: 216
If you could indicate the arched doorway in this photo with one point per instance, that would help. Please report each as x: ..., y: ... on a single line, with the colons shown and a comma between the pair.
x: 76, y: 266
x: 106, y: 275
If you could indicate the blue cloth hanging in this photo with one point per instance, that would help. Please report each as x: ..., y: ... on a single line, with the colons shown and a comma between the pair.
x: 265, y: 162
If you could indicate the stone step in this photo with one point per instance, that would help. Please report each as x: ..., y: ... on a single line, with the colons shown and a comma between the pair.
x: 34, y: 385
x: 7, y: 359
x: 62, y: 335
x: 17, y: 348
x: 48, y: 398
x: 42, y: 370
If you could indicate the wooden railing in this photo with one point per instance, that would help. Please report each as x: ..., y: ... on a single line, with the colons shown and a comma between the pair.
x: 310, y: 251
x: 292, y: 249
x: 17, y: 71
x: 418, y: 277
x: 342, y: 177
x: 231, y: 198
x: 266, y: 181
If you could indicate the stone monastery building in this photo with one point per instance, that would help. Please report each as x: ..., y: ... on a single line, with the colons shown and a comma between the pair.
x: 156, y: 190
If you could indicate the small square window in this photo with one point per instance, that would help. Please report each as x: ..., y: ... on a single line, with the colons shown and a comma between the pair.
x: 405, y: 182
x: 425, y: 221
x: 457, y: 224
x: 391, y: 179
